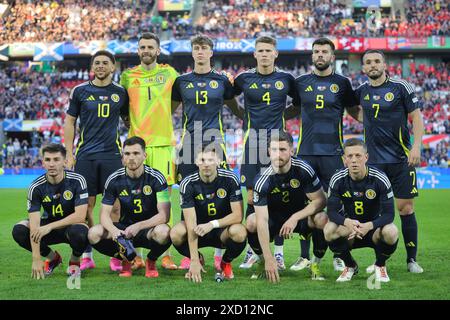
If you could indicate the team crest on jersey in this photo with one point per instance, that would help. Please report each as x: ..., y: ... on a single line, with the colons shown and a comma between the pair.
x: 279, y: 85
x: 221, y: 193
x: 334, y: 88
x: 160, y: 79
x: 255, y: 197
x: 179, y: 177
x: 147, y: 190
x: 242, y: 179
x: 321, y: 88
x: 115, y: 97
x: 213, y: 84
x: 266, y: 85
x: 371, y: 194
x: 294, y: 183
x: 68, y: 195
x: 389, y: 96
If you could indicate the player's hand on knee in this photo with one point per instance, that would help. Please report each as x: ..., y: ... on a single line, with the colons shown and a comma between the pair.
x: 203, y: 229
x: 37, y: 269
x: 131, y: 231
x: 117, y: 233
x: 287, y: 229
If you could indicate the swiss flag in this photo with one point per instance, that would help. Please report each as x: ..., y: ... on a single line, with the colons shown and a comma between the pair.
x: 352, y: 44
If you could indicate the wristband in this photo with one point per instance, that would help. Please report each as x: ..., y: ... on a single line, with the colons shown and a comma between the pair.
x: 215, y: 224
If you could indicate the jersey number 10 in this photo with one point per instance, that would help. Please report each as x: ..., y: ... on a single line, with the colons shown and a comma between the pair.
x: 103, y: 110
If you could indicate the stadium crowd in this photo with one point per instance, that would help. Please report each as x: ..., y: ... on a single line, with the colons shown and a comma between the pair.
x: 31, y: 95
x: 51, y: 21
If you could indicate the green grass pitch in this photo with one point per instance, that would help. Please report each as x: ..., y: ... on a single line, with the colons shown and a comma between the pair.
x: 433, y: 214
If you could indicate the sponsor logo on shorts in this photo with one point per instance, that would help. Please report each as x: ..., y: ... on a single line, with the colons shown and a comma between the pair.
x: 84, y: 195
x: 68, y: 195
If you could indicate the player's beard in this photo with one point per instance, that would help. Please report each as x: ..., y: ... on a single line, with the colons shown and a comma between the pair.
x: 148, y: 59
x: 322, y: 67
x: 375, y: 76
x: 102, y: 78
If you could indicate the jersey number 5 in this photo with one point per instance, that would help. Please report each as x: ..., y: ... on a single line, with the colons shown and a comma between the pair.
x: 319, y: 100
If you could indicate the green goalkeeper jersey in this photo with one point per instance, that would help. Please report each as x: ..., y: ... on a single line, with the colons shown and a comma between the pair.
x: 150, y: 103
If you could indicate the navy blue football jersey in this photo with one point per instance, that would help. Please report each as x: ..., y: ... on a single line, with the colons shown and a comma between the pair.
x: 137, y: 197
x: 323, y: 101
x: 211, y: 200
x: 57, y: 200
x: 386, y: 110
x: 285, y: 194
x: 265, y: 99
x: 98, y: 109
x: 203, y: 97
x: 370, y: 199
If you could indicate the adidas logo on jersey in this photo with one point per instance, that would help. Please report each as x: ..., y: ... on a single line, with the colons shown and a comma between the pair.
x: 254, y: 86
x: 366, y: 98
x: 309, y: 89
x: 199, y: 197
x: 47, y: 199
x: 91, y: 98
x: 276, y: 190
x: 190, y: 86
x: 347, y: 195
x: 124, y: 193
x: 136, y: 82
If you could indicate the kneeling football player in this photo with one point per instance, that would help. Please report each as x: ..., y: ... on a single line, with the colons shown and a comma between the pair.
x: 144, y: 211
x: 361, y: 212
x: 211, y: 200
x: 64, y: 198
x: 288, y: 198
